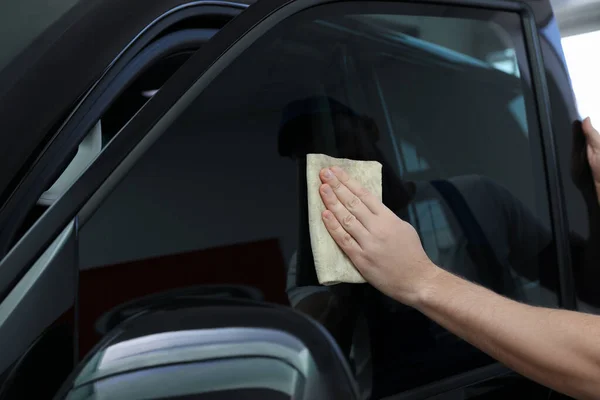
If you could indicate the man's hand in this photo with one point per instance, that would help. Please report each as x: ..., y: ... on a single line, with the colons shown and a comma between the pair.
x: 593, y: 152
x: 386, y: 250
x: 557, y: 348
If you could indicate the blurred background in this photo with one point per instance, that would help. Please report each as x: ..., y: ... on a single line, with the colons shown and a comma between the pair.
x: 579, y: 23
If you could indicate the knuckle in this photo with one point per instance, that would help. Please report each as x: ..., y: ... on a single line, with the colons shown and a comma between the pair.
x: 334, y: 224
x: 347, y: 239
x: 362, y: 193
x: 348, y: 220
x: 336, y: 228
x: 336, y: 184
x: 353, y: 203
x: 331, y: 200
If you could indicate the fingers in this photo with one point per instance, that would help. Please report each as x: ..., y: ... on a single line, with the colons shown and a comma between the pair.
x: 339, y: 176
x: 343, y: 239
x: 591, y: 134
x: 345, y: 218
x: 348, y: 199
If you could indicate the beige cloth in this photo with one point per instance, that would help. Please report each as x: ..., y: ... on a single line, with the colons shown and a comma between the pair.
x: 332, y: 265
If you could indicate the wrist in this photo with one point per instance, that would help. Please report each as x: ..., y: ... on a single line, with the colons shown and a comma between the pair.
x: 427, y: 286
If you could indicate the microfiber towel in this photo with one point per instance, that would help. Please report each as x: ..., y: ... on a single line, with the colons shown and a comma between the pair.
x: 331, y: 263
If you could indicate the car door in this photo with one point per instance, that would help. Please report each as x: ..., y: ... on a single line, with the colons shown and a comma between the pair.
x: 165, y: 192
x: 39, y: 308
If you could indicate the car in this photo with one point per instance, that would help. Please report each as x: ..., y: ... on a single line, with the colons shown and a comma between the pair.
x: 154, y: 236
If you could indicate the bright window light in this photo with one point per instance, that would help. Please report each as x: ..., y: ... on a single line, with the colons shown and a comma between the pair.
x: 583, y: 60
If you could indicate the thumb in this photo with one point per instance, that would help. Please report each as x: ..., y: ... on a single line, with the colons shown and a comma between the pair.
x: 591, y: 134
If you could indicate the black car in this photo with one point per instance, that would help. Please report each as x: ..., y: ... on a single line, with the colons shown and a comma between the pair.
x: 153, y: 221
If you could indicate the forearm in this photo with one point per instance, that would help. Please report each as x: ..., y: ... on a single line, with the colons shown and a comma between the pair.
x: 559, y: 349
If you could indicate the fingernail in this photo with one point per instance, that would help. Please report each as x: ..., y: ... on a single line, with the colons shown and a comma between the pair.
x: 328, y: 174
x: 326, y: 189
x: 336, y: 169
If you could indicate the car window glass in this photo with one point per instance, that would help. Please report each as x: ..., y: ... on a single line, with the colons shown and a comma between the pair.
x: 442, y: 99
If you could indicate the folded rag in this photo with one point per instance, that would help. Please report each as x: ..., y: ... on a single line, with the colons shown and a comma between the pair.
x: 331, y: 264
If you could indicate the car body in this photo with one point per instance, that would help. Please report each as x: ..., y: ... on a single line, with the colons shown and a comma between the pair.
x: 477, y: 90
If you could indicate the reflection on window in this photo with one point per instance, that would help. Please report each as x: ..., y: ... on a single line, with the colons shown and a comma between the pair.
x: 433, y: 227
x: 517, y: 109
x: 505, y: 61
x: 471, y: 45
x: 412, y: 160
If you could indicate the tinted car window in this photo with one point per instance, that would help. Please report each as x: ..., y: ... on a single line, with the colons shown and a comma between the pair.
x: 444, y: 103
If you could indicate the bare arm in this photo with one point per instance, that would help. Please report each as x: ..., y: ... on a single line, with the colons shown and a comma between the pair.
x: 559, y: 349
